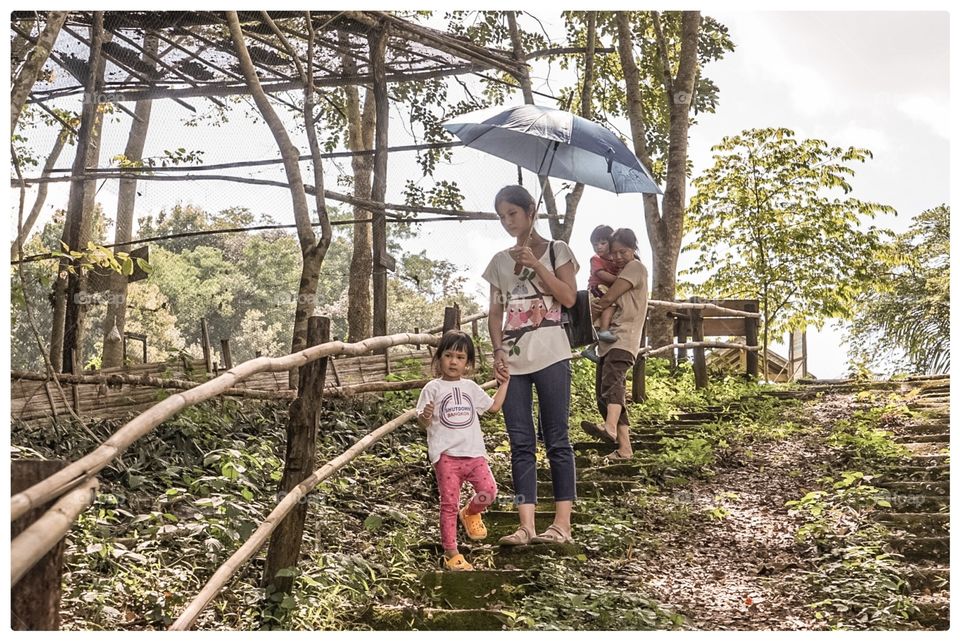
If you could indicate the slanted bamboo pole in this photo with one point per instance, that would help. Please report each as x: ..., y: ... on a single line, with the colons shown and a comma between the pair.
x: 36, y: 540
x: 75, y: 473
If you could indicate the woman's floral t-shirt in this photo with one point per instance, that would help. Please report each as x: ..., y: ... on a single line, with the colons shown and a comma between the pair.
x: 532, y: 334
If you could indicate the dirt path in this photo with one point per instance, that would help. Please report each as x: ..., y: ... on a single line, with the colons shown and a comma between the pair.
x: 738, y: 568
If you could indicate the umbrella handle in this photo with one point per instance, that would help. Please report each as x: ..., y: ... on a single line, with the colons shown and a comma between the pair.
x: 517, y: 267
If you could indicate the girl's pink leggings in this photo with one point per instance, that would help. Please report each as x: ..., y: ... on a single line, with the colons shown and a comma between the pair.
x: 452, y: 471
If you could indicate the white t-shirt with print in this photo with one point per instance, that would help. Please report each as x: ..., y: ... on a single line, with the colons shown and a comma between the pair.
x: 455, y: 427
x: 532, y: 333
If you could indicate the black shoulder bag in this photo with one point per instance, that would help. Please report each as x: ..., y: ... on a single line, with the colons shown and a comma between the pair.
x: 576, y: 320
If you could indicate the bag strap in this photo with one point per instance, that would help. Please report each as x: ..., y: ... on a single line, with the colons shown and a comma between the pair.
x: 553, y: 261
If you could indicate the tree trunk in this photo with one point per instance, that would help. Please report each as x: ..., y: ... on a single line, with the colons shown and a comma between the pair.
x: 665, y: 231
x: 360, y: 129
x: 309, y: 276
x: 68, y: 289
x: 115, y: 318
x: 377, y: 40
x: 31, y: 220
x: 30, y: 71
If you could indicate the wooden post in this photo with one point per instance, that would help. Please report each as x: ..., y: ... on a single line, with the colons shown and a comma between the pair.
x: 76, y: 387
x: 300, y: 460
x: 682, y: 322
x: 416, y: 330
x: 386, y: 361
x: 205, y: 344
x: 144, y: 348
x: 227, y: 357
x: 699, y: 353
x: 752, y: 330
x: 640, y: 372
x: 451, y: 319
x: 35, y: 599
x: 475, y: 331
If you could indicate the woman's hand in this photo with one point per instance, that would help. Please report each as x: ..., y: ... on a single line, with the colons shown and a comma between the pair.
x: 501, y: 369
x: 524, y: 256
x: 597, y: 305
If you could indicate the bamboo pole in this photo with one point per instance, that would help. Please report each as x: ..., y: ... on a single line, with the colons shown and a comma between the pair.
x: 36, y: 540
x: 223, y: 574
x: 262, y: 533
x: 690, y: 345
x: 143, y: 424
x: 701, y: 306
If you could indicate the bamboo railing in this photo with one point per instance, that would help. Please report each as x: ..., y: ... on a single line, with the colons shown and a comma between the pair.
x: 85, y: 468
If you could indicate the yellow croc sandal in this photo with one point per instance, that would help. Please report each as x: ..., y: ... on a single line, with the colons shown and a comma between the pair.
x: 457, y: 563
x: 473, y: 524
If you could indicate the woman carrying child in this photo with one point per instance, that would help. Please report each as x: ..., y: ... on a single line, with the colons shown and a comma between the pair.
x: 629, y: 292
x: 448, y: 408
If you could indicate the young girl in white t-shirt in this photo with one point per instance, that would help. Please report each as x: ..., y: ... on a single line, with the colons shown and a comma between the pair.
x: 449, y: 407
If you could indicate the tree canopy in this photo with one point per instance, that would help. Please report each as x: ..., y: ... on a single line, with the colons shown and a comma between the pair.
x: 773, y: 220
x: 903, y: 320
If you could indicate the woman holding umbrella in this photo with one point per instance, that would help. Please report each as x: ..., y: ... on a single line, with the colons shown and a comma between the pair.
x: 528, y: 284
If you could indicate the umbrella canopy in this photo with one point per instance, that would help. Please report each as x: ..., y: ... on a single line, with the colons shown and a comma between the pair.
x: 553, y: 142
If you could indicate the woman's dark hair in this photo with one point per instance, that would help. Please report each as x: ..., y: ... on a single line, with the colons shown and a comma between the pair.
x: 625, y: 237
x: 455, y: 340
x: 601, y: 232
x: 515, y: 195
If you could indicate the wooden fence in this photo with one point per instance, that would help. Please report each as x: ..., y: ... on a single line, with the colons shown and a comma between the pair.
x: 41, y: 401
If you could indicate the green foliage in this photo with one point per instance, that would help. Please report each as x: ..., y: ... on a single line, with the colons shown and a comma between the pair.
x: 768, y: 226
x: 903, y: 320
x: 863, y: 439
x: 863, y: 584
x: 570, y: 599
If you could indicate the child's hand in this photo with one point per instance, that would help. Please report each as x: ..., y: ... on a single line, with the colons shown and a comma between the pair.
x: 426, y: 414
x: 503, y: 376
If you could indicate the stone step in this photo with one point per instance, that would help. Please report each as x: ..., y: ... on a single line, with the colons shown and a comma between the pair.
x: 929, y: 577
x: 917, y: 502
x: 927, y: 459
x: 916, y: 522
x: 543, y: 518
x: 931, y: 427
x: 624, y: 470
x: 922, y: 547
x: 386, y: 617
x: 941, y: 437
x: 932, y: 612
x: 605, y: 448
x: 478, y: 589
x: 585, y: 489
x: 486, y: 555
x: 941, y: 488
x: 599, y: 469
x: 672, y: 431
x: 917, y: 472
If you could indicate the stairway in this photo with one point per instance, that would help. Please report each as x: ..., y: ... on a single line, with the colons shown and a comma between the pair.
x: 482, y: 599
x: 919, y: 489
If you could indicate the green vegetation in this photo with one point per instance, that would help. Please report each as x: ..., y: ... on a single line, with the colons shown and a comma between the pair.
x: 864, y: 585
x: 902, y: 322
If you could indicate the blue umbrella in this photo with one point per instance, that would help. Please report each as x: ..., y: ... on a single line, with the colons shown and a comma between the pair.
x: 553, y: 142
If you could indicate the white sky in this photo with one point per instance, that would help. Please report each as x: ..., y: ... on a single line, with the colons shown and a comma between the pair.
x: 873, y: 79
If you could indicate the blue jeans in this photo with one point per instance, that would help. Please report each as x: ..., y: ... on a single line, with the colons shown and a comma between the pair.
x: 553, y: 392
